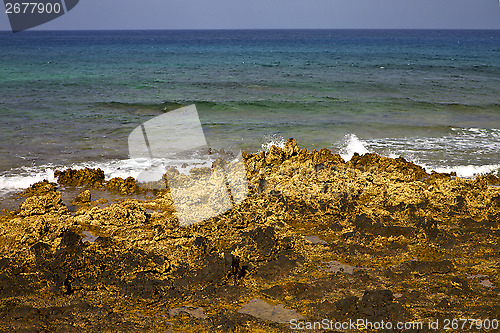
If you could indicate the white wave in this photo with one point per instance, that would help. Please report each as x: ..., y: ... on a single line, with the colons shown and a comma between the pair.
x: 22, y: 178
x: 14, y: 182
x: 477, y: 132
x: 352, y: 145
x: 274, y: 140
x: 416, y: 149
x: 466, y: 171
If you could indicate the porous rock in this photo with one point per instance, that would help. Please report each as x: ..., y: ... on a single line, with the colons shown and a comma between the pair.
x: 419, y: 247
x: 82, y: 177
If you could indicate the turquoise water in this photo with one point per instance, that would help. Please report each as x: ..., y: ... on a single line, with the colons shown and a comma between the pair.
x: 72, y: 98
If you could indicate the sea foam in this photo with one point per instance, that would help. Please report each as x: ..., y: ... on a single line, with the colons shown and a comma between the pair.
x: 352, y: 145
x: 466, y: 171
x: 273, y: 140
x: 21, y: 178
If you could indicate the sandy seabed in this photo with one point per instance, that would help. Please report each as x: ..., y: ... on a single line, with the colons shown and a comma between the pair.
x: 316, y: 238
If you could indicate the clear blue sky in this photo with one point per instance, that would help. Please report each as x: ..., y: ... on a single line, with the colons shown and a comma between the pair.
x: 264, y: 14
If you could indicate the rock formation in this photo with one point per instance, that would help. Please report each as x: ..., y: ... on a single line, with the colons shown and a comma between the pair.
x: 391, y: 242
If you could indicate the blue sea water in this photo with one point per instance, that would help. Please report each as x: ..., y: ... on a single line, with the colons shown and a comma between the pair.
x: 72, y: 98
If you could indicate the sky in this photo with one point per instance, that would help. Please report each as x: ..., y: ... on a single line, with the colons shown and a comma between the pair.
x: 276, y: 14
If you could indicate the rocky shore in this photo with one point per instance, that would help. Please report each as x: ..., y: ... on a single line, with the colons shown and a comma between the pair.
x: 316, y: 238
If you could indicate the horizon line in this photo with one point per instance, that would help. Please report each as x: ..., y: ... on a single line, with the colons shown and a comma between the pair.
x: 259, y: 29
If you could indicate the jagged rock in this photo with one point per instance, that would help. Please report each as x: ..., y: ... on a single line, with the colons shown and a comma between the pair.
x: 275, y: 156
x: 40, y: 188
x: 83, y: 177
x: 83, y: 198
x: 43, y: 204
x: 123, y: 186
x: 291, y: 148
x: 404, y: 241
x: 490, y: 179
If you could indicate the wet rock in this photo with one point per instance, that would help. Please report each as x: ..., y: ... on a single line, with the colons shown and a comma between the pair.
x: 259, y: 242
x: 225, y: 293
x: 279, y: 292
x: 325, y: 157
x: 123, y: 186
x: 490, y: 179
x: 396, y: 230
x: 220, y: 270
x: 84, y: 177
x: 40, y: 249
x: 43, y: 204
x: 218, y: 163
x: 347, y: 305
x: 429, y: 267
x: 379, y: 304
x: 275, y: 156
x: 70, y: 239
x: 291, y: 148
x: 364, y: 222
x: 83, y: 198
x: 280, y: 267
x: 401, y: 168
x: 40, y: 188
x: 495, y: 202
x: 435, y: 177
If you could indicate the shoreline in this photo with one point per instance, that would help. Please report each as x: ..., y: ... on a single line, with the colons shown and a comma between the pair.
x: 317, y: 237
x: 20, y: 178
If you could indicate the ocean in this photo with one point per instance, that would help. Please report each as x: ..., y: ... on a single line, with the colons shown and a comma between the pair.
x: 71, y: 98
